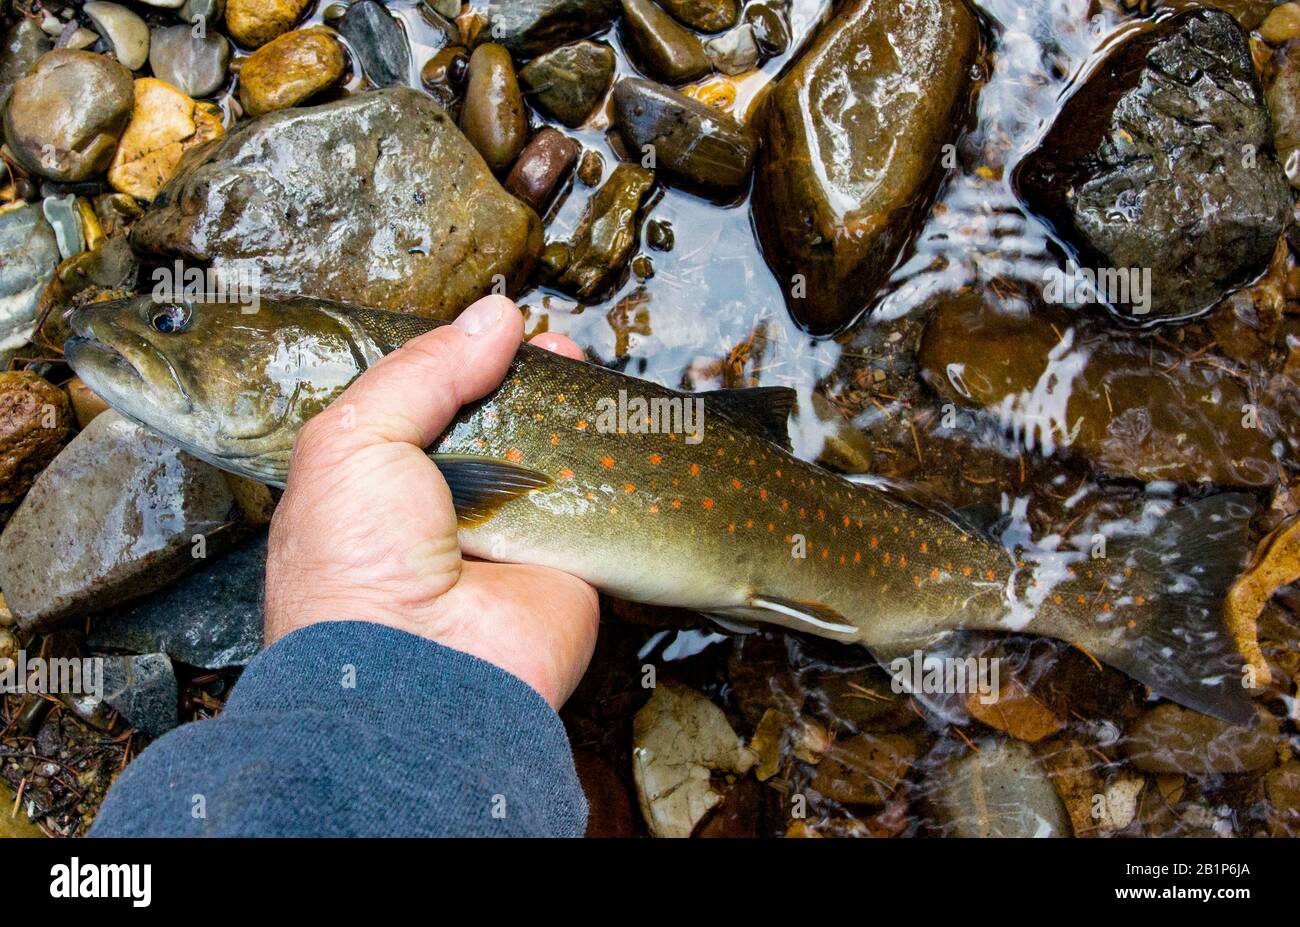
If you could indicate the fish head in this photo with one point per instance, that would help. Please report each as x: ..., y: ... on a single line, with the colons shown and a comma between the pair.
x: 229, y: 386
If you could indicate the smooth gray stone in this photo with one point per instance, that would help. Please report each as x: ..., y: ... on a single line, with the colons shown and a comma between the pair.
x: 379, y: 41
x: 29, y: 253
x: 211, y: 618
x: 143, y: 690
x: 195, y: 66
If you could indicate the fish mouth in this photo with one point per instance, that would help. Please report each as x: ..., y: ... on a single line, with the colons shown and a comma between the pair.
x: 118, y: 375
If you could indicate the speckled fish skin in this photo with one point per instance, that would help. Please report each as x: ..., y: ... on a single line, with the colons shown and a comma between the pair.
x: 714, y: 526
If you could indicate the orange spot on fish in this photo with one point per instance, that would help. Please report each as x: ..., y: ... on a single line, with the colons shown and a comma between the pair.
x: 514, y: 455
x: 925, y: 548
x: 582, y: 424
x: 825, y: 553
x: 559, y: 397
x: 566, y: 474
x: 785, y: 504
x: 695, y: 469
x: 613, y: 510
x: 771, y: 527
x: 917, y: 580
x: 842, y: 560
x: 846, y: 521
x: 555, y: 439
x: 749, y: 522
x: 886, y: 558
x: 821, y: 514
x: 874, y: 542
x: 654, y: 509
x: 857, y: 556
x: 607, y: 462
x: 965, y: 571
x: 654, y: 460
x: 777, y: 472
x: 629, y: 488
x: 934, y: 572
x: 902, y: 561
x: 1140, y: 600
x: 1082, y: 600
x: 677, y: 503
x: 735, y: 484
x: 708, y: 503
x: 990, y: 575
x: 762, y: 494
x: 731, y: 528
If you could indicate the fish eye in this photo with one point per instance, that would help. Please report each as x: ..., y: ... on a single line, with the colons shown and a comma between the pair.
x: 170, y: 319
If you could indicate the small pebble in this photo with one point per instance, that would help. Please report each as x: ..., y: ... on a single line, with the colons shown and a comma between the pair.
x: 1282, y: 24
x: 591, y: 168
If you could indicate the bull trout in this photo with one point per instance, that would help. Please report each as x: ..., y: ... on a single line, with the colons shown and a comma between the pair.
x: 720, y: 518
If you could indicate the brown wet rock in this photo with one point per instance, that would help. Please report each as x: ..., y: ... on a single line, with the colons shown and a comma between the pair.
x: 35, y: 421
x: 771, y: 30
x: 567, y: 83
x: 543, y: 166
x: 85, y: 403
x: 1172, y: 135
x: 694, y: 145
x: 607, y: 234
x: 20, y: 49
x: 165, y: 124
x: 64, y: 119
x: 288, y: 70
x: 377, y: 199
x: 1133, y: 410
x: 443, y: 75
x: 1282, y: 24
x: 493, y: 117
x: 530, y: 27
x: 661, y: 47
x: 114, y: 516
x: 253, y: 23
x: 864, y: 769
x: 609, y: 809
x: 860, y: 700
x: 591, y: 167
x: 1173, y: 739
x: 840, y: 190
x: 704, y: 15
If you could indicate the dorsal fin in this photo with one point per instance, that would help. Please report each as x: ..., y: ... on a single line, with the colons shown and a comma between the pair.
x: 765, y: 409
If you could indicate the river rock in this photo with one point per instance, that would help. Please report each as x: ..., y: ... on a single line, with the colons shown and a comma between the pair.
x: 1282, y: 91
x: 165, y: 124
x: 607, y: 234
x: 1172, y: 135
x: 704, y: 15
x: 1282, y: 786
x: 999, y: 791
x: 542, y: 167
x: 124, y: 31
x: 64, y: 216
x: 426, y: 232
x: 195, y: 66
x: 22, y: 45
x: 493, y: 117
x: 29, y: 253
x: 143, y: 690
x: 253, y: 23
x: 1282, y: 24
x: 35, y: 421
x: 567, y: 83
x: 695, y: 146
x: 114, y: 516
x: 659, y: 46
x: 210, y: 11
x: 211, y: 618
x: 379, y: 41
x: 1130, y: 408
x: 735, y: 51
x: 64, y: 119
x: 290, y: 69
x: 86, y: 404
x: 443, y: 75
x: 771, y: 30
x: 1173, y: 739
x: 530, y: 27
x: 852, y: 155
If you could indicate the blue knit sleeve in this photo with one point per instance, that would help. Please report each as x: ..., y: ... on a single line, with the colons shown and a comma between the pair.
x: 351, y: 728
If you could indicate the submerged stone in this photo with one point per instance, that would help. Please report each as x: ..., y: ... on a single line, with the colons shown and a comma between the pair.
x: 1132, y: 410
x: 694, y: 145
x: 143, y: 690
x: 29, y: 254
x: 289, y: 70
x: 530, y: 27
x: 607, y: 234
x: 1163, y: 159
x: 376, y: 199
x: 493, y: 117
x: 1000, y: 791
x: 379, y: 41
x: 661, y: 47
x: 35, y: 421
x: 567, y: 83
x: 852, y: 156
x: 195, y: 65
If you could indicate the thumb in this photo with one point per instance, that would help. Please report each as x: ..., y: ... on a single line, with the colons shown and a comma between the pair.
x: 411, y: 395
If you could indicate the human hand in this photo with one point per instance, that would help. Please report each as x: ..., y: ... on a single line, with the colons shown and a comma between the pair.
x: 366, y: 530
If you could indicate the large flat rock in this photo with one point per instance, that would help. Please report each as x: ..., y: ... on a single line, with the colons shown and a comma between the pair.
x: 376, y: 199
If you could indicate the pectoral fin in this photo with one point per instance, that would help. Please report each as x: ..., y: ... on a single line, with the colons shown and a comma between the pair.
x: 481, y: 485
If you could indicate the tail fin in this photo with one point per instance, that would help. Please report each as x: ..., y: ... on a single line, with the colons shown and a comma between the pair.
x: 1169, y: 629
